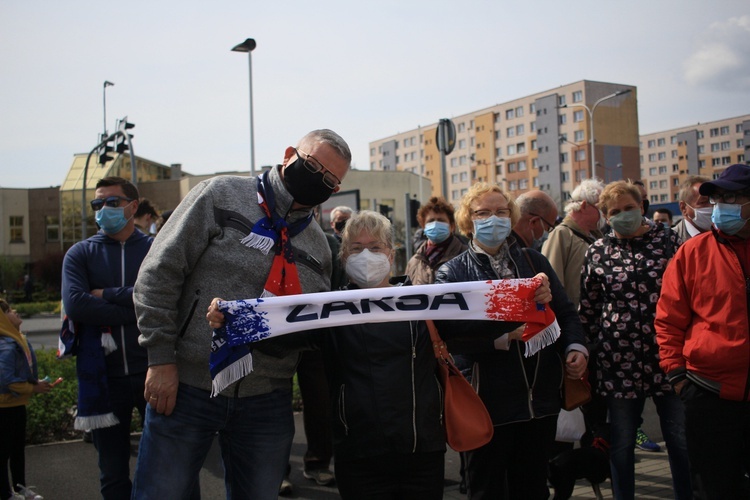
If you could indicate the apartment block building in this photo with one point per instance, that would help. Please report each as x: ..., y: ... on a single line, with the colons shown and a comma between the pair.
x: 704, y: 149
x: 539, y: 141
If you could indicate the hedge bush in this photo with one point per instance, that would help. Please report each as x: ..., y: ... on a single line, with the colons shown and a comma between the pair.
x: 51, y: 415
x: 28, y: 309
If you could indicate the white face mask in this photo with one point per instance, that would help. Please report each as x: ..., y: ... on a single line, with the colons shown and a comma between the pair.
x: 367, y: 269
x: 702, y: 219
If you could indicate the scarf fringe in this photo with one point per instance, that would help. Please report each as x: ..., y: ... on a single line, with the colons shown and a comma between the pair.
x: 262, y: 243
x: 108, y: 343
x: 545, y: 337
x: 232, y: 373
x: 95, y: 422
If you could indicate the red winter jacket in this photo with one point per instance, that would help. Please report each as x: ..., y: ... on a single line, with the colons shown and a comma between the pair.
x: 702, y: 316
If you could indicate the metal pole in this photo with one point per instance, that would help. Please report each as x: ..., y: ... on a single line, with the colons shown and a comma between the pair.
x: 252, y: 128
x: 104, y: 102
x: 593, y: 144
x: 443, y: 176
x: 421, y: 173
x: 407, y: 238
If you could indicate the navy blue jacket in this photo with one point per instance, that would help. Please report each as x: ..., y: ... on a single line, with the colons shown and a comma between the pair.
x: 103, y: 262
x: 514, y: 388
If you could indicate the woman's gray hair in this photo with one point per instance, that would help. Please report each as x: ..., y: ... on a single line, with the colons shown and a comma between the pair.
x: 329, y: 137
x: 588, y: 191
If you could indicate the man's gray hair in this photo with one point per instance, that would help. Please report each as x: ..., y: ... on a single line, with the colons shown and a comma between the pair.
x: 327, y: 136
x: 588, y: 190
x: 532, y: 205
x: 686, y: 188
x: 343, y: 209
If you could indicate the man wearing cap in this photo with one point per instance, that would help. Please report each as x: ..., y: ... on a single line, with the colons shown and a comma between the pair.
x: 704, y: 339
x: 695, y: 207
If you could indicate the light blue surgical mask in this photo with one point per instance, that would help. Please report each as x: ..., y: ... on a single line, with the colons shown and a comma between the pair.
x: 537, y: 243
x: 492, y: 231
x: 728, y: 217
x: 111, y: 219
x: 627, y: 223
x: 437, y: 231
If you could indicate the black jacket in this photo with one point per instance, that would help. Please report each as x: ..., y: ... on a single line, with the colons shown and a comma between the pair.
x: 513, y: 388
x: 384, y: 390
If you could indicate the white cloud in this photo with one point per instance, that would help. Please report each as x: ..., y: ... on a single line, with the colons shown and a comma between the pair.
x: 721, y: 59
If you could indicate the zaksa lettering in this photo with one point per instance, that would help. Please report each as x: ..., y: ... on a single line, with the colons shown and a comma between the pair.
x: 417, y: 302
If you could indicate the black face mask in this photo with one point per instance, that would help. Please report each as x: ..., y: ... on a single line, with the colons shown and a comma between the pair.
x: 339, y: 226
x: 307, y: 188
x: 645, y: 206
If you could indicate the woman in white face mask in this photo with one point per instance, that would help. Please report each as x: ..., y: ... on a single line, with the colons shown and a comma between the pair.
x: 620, y: 286
x: 388, y: 437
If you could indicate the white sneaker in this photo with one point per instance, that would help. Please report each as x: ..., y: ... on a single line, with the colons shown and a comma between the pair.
x: 27, y: 493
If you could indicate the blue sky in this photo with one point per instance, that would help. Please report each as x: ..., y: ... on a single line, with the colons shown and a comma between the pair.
x: 364, y: 69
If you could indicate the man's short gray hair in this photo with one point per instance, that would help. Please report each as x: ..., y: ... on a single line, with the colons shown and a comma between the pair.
x: 343, y: 209
x: 588, y: 190
x: 327, y: 136
x: 686, y: 188
x: 533, y: 205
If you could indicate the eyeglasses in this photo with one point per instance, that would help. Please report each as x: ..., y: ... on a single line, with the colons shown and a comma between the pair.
x: 550, y: 227
x: 110, y: 201
x: 484, y: 214
x: 329, y: 179
x: 727, y: 197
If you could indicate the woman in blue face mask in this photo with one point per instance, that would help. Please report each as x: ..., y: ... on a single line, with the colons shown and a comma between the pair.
x: 439, y: 225
x: 620, y: 287
x: 522, y: 394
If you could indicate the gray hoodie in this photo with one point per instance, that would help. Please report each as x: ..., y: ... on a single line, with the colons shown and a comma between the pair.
x: 198, y: 256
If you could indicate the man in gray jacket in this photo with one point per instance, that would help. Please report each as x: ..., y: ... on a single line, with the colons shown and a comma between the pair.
x: 229, y: 238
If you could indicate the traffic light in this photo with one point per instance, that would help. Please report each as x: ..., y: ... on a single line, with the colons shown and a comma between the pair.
x: 124, y: 136
x: 413, y: 210
x: 104, y: 150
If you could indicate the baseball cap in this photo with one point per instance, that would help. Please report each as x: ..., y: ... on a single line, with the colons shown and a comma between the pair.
x: 733, y: 178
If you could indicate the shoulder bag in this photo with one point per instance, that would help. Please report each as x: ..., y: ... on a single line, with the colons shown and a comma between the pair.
x: 468, y: 425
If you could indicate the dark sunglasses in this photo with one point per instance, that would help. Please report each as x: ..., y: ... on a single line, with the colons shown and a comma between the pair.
x: 111, y: 201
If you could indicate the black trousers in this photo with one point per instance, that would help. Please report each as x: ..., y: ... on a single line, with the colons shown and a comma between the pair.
x: 514, y: 464
x: 12, y: 444
x: 718, y: 441
x: 316, y: 414
x: 394, y: 476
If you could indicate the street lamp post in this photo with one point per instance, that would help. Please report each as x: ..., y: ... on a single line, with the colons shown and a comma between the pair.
x: 248, y: 46
x: 104, y: 102
x: 591, y: 121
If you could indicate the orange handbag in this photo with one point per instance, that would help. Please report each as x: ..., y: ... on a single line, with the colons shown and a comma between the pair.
x: 576, y: 392
x: 468, y: 425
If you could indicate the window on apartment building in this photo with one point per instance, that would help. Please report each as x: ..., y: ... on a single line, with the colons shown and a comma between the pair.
x: 532, y: 127
x: 462, y: 144
x: 580, y: 155
x: 726, y: 160
x: 701, y: 163
x: 651, y: 143
x: 664, y: 197
x: 578, y: 116
x: 662, y: 156
x: 675, y: 167
x: 565, y: 176
x: 511, y: 149
x: 498, y: 152
x: 561, y: 100
x: 521, y: 148
x: 673, y: 139
x: 372, y: 165
x: 578, y: 136
x: 462, y: 127
x: 532, y: 108
x: 652, y: 171
x: 676, y: 181
x: 701, y: 150
x: 700, y: 134
x: 563, y: 157
x: 715, y: 162
x: 510, y: 132
x: 472, y: 141
x: 512, y: 186
x: 462, y: 160
x: 464, y: 176
x: 652, y: 157
x: 498, y: 170
x: 372, y: 151
x: 661, y: 142
x: 454, y: 178
x: 714, y: 132
x: 724, y: 130
x: 715, y: 146
x: 16, y: 229
x: 523, y: 184
x: 522, y: 166
x: 511, y: 167
x: 577, y: 96
x: 464, y: 191
x: 454, y: 194
x: 471, y: 125
x: 740, y: 143
x: 741, y: 158
x: 533, y: 144
x: 535, y: 182
x: 674, y: 153
x: 520, y: 129
x: 663, y: 184
x: 519, y: 111
x: 509, y: 114
x: 725, y: 146
x: 52, y: 223
x: 563, y: 118
x: 534, y: 163
x: 663, y: 169
x: 738, y: 128
x: 652, y: 184
x: 497, y: 134
x: 454, y: 162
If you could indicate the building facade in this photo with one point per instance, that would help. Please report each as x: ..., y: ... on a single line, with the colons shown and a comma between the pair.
x: 704, y: 149
x: 541, y: 141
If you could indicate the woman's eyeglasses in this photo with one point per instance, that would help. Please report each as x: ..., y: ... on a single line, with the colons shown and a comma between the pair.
x: 111, y: 201
x: 329, y: 179
x: 484, y: 214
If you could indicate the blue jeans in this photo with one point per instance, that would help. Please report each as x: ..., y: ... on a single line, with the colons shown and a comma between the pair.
x: 255, y: 436
x: 625, y: 417
x: 113, y: 443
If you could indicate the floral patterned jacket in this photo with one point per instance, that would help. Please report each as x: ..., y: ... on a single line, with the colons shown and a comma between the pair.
x: 620, y: 285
